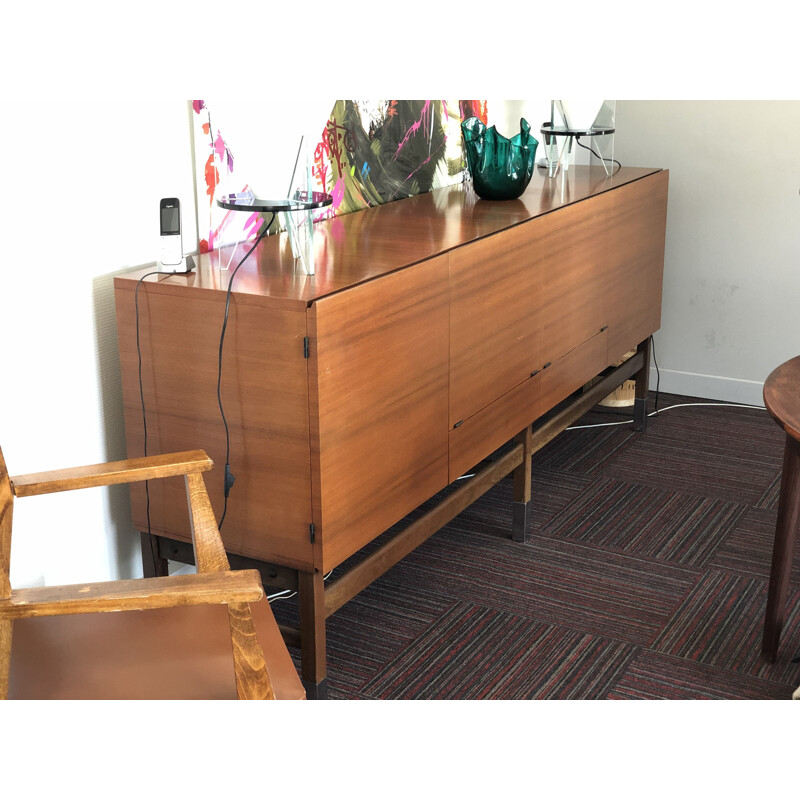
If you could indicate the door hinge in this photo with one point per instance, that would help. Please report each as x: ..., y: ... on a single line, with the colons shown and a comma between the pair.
x: 311, y: 532
x: 305, y: 347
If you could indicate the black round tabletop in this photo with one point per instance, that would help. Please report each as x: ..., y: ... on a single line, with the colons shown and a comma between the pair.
x: 248, y: 202
x: 561, y: 130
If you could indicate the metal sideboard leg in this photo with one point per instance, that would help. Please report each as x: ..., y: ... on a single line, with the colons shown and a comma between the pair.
x: 642, y: 378
x: 153, y: 564
x: 521, y: 522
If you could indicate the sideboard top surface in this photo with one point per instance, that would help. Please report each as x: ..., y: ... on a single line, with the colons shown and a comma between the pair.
x: 360, y: 246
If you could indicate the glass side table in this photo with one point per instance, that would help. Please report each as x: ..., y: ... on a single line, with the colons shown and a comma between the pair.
x: 297, y: 220
x: 559, y: 141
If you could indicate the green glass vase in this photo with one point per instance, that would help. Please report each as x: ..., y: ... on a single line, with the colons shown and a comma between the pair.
x: 501, y: 168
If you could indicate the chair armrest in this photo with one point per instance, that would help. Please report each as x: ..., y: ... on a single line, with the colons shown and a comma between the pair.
x: 138, y: 594
x: 128, y: 471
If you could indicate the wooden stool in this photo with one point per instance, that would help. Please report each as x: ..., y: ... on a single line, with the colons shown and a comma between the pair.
x: 782, y: 399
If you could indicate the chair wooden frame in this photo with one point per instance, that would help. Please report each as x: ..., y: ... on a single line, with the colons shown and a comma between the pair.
x: 214, y: 582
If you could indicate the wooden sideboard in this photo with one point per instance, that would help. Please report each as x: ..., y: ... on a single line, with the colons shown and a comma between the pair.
x: 438, y: 330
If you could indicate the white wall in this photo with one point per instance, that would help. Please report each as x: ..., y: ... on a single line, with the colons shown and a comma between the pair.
x: 732, y: 264
x: 80, y: 203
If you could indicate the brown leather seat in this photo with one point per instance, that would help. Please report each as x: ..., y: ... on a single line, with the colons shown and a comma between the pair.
x: 206, y: 636
x: 179, y: 653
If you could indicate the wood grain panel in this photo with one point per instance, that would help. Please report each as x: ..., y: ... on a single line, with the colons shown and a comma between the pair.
x: 574, y: 258
x: 111, y: 473
x: 379, y: 356
x: 781, y: 397
x: 573, y: 370
x: 134, y: 594
x: 364, y: 245
x: 493, y: 426
x: 494, y: 319
x: 636, y: 235
x: 265, y: 397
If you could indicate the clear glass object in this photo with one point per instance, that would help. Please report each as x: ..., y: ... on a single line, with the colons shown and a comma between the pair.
x: 296, y: 210
x: 584, y: 127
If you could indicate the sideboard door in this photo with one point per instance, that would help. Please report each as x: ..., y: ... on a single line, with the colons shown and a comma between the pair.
x: 378, y: 381
x: 494, y: 319
x: 637, y: 236
x: 575, y: 262
x: 264, y: 388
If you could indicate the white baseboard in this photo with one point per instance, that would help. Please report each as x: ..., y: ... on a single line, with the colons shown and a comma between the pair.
x: 709, y: 387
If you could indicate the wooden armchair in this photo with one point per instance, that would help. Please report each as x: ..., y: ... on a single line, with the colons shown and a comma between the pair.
x: 209, y: 635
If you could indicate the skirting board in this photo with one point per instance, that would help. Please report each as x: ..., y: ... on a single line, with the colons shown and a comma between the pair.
x: 709, y: 387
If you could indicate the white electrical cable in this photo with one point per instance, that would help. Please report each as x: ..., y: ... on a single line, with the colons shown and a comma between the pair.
x: 287, y: 593
x: 656, y: 413
x: 599, y: 425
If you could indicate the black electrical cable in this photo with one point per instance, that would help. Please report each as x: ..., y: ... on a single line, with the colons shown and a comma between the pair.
x: 229, y: 477
x: 597, y: 155
x: 141, y: 390
x: 141, y: 396
x: 658, y: 374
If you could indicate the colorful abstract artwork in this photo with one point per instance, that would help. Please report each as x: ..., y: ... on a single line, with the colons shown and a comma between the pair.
x: 215, y: 162
x: 373, y: 152
x: 366, y: 153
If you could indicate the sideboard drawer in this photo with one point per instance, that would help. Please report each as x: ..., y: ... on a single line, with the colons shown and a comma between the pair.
x: 493, y: 426
x: 561, y: 378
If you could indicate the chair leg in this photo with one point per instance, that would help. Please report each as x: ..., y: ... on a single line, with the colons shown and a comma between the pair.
x: 6, y: 626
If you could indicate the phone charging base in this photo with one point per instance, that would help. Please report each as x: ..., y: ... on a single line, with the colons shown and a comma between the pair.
x: 186, y: 265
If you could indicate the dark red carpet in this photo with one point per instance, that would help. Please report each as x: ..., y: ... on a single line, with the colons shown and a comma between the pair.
x: 644, y: 577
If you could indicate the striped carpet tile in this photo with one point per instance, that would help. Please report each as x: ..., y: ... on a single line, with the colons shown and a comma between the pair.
x: 584, y: 450
x: 475, y: 653
x: 370, y: 630
x: 701, y: 453
x: 668, y: 526
x: 599, y: 592
x: 721, y: 623
x: 550, y: 493
x: 771, y: 494
x: 748, y: 550
x: 678, y: 467
x: 654, y: 676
